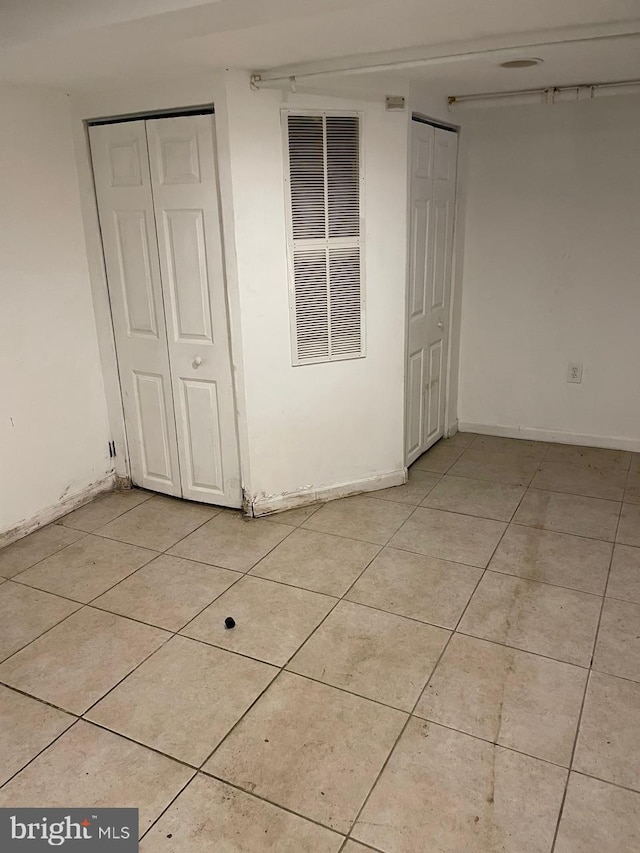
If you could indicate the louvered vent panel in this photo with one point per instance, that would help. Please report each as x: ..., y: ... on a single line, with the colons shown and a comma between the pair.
x: 312, y: 304
x: 307, y: 177
x: 344, y: 301
x: 324, y: 237
x: 343, y: 175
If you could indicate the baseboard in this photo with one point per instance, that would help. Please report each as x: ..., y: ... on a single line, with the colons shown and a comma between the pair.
x: 291, y: 500
x: 51, y: 513
x: 451, y: 429
x: 552, y: 435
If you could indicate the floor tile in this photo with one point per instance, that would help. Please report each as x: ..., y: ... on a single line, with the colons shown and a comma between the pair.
x: 354, y: 847
x: 209, y: 815
x: 511, y: 447
x: 420, y: 587
x: 87, y: 568
x: 618, y: 646
x: 462, y: 794
x: 414, y: 490
x: 578, y: 479
x: 632, y: 490
x: 598, y: 457
x: 519, y: 700
x: 475, y: 497
x: 609, y: 738
x: 293, y: 517
x: 360, y: 517
x: 168, y: 592
x: 450, y: 536
x: 598, y: 818
x: 317, y: 561
x: 104, y: 509
x: 88, y: 766
x: 27, y: 728
x: 624, y: 578
x: 272, y: 620
x: 582, y: 516
x: 634, y: 468
x: 74, y: 664
x: 556, y: 558
x: 438, y: 459
x: 232, y: 542
x: 629, y: 529
x: 23, y: 553
x: 310, y: 748
x: 377, y: 655
x: 159, y: 522
x: 478, y: 464
x: 210, y: 690
x: 26, y: 613
x: 548, y: 620
x: 459, y: 439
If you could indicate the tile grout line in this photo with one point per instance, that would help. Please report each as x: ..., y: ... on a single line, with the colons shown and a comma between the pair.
x: 175, y: 633
x: 44, y: 748
x: 149, y: 497
x: 50, y: 628
x: 415, y: 705
x: 53, y: 553
x: 157, y: 554
x: 85, y: 533
x: 89, y: 604
x: 246, y: 573
x: 409, y: 717
x: 281, y: 669
x: 249, y: 572
x: 412, y: 713
x: 95, y: 532
x: 292, y: 655
x: 586, y: 689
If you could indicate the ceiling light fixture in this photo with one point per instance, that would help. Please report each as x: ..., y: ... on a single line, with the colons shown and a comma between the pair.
x: 521, y: 63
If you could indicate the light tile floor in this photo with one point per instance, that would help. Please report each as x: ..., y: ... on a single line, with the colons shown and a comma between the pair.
x: 449, y: 666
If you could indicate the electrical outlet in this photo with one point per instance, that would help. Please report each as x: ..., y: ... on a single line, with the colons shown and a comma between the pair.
x: 574, y: 372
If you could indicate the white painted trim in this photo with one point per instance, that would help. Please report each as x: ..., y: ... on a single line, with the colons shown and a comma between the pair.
x: 552, y: 435
x: 51, y: 513
x: 451, y: 429
x: 100, y: 296
x: 291, y: 500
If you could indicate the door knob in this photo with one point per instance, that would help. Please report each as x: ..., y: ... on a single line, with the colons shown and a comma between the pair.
x: 197, y: 361
x: 440, y: 324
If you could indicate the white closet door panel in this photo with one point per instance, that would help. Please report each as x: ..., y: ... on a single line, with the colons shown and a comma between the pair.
x: 150, y: 430
x: 432, y: 191
x: 415, y: 403
x: 123, y: 189
x: 183, y: 174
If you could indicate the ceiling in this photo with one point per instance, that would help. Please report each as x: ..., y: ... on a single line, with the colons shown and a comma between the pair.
x: 89, y: 44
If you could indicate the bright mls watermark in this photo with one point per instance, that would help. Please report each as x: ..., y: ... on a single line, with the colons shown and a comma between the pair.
x: 101, y: 830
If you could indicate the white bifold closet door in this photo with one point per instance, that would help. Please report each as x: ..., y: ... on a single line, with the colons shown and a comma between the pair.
x: 432, y: 191
x: 156, y: 186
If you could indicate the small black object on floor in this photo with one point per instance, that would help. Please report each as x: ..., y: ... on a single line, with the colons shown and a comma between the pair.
x: 229, y: 622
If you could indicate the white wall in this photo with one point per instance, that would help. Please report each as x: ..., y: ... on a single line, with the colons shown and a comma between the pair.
x: 315, y: 427
x: 53, y: 424
x: 551, y: 271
